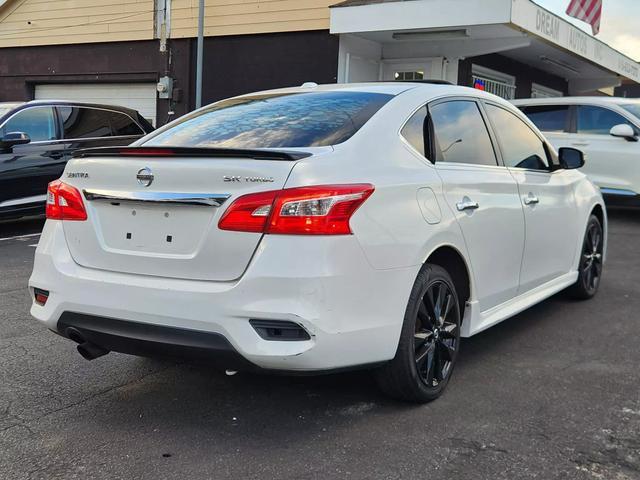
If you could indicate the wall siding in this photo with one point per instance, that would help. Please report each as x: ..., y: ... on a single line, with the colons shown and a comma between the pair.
x: 238, y: 17
x: 55, y: 22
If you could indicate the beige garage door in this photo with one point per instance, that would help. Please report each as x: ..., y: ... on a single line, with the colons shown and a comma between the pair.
x: 139, y: 96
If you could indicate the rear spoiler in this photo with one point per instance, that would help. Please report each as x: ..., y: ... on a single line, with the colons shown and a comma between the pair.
x: 285, y: 155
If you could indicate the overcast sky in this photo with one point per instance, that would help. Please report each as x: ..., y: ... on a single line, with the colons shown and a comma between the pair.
x: 620, y: 26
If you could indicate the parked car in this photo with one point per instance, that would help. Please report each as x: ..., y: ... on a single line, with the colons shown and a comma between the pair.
x: 319, y: 228
x: 38, y: 138
x: 606, y: 129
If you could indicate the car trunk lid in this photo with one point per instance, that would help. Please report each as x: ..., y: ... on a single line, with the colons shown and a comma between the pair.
x: 156, y: 211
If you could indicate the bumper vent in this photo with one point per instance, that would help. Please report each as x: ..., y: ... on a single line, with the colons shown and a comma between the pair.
x: 280, y: 330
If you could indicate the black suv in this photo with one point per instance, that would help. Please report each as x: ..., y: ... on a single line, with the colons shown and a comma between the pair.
x: 38, y: 138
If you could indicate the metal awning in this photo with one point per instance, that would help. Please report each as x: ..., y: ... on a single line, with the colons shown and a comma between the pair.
x: 519, y: 29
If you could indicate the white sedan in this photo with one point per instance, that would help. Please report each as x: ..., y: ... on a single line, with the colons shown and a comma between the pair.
x: 319, y: 228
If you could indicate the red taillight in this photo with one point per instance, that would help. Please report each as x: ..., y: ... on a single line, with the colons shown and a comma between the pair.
x: 64, y: 202
x: 40, y: 296
x: 320, y: 210
x: 248, y: 213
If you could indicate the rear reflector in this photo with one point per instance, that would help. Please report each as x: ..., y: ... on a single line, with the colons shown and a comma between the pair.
x: 64, y: 202
x: 318, y: 210
x: 40, y: 296
x: 279, y: 330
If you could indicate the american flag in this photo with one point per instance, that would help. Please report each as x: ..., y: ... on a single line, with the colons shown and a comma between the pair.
x: 588, y: 11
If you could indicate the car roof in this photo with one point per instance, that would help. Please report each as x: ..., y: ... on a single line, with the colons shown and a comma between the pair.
x: 431, y: 89
x: 80, y: 104
x: 576, y: 101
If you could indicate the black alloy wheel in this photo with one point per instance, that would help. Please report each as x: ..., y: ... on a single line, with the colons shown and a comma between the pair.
x: 437, y: 334
x: 429, y: 341
x: 591, y: 261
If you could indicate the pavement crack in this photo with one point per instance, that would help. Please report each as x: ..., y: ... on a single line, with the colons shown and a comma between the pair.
x: 95, y: 395
x: 475, y: 446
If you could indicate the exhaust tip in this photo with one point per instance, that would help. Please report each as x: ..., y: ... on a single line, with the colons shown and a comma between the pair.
x: 91, y: 351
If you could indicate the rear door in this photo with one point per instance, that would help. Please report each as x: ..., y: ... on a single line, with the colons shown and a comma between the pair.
x: 547, y: 199
x: 483, y: 196
x: 25, y: 170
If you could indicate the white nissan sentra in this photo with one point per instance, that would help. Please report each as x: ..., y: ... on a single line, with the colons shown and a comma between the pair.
x: 319, y: 228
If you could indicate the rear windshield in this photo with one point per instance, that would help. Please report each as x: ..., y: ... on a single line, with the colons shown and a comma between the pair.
x: 275, y: 121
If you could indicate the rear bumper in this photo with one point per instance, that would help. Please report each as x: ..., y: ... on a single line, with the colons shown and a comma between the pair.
x: 352, y: 312
x: 153, y: 340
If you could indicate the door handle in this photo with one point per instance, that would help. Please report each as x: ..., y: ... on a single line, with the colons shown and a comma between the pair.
x: 467, y: 204
x: 580, y: 144
x: 531, y: 199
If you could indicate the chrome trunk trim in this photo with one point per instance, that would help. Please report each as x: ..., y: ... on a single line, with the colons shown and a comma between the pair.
x: 205, y: 199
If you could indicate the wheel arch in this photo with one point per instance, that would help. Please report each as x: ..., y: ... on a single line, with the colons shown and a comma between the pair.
x: 452, y: 260
x: 600, y: 212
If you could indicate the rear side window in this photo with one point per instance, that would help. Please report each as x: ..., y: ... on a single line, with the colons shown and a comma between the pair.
x: 413, y: 130
x: 37, y: 122
x: 460, y: 134
x: 122, y: 125
x: 81, y: 122
x: 598, y: 120
x: 275, y: 121
x: 521, y: 147
x: 548, y: 118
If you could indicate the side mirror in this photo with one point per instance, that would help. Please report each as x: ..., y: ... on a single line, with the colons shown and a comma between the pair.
x: 12, y: 139
x: 570, y: 158
x: 624, y: 131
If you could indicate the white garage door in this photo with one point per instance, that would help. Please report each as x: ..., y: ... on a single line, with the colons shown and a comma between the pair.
x: 139, y: 96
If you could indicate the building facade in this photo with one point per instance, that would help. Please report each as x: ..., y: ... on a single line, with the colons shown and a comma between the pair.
x: 142, y: 53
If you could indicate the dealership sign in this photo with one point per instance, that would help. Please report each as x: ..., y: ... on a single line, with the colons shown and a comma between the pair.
x: 537, y: 20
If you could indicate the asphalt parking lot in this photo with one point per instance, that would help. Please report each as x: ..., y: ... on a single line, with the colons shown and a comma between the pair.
x: 551, y: 394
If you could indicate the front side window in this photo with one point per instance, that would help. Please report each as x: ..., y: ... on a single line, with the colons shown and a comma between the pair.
x: 521, y: 147
x: 460, y: 133
x: 548, y: 118
x: 84, y: 122
x: 597, y: 120
x: 275, y: 121
x: 37, y: 122
x: 413, y: 130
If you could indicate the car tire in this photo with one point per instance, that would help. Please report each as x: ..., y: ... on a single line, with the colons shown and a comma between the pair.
x: 429, y: 341
x: 591, y: 261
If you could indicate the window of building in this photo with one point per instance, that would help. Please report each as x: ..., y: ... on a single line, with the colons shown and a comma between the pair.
x: 37, y: 122
x: 548, y: 118
x: 461, y: 135
x: 409, y: 76
x: 598, y: 120
x: 495, y: 82
x: 413, y: 130
x: 520, y: 146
